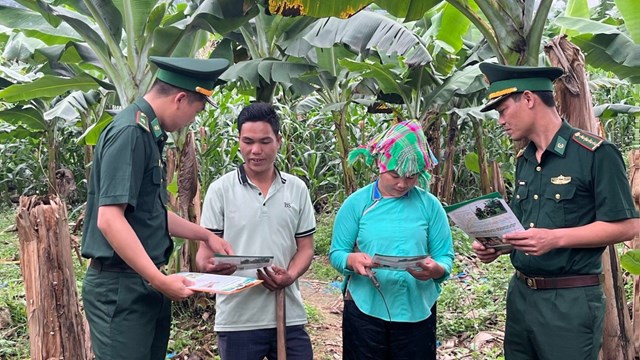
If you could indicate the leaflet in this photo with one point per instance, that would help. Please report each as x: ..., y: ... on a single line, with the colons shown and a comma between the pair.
x: 219, y: 284
x: 244, y: 262
x: 400, y: 263
x: 485, y: 218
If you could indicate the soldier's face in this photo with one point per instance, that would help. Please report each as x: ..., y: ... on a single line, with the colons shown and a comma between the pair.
x: 514, y: 118
x: 259, y: 147
x: 184, y: 113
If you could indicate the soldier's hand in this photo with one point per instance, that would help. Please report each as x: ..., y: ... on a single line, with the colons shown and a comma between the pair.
x: 218, y: 245
x: 533, y: 241
x: 485, y: 254
x: 175, y: 287
x: 211, y: 266
x: 359, y: 262
x: 429, y: 269
x: 275, y: 277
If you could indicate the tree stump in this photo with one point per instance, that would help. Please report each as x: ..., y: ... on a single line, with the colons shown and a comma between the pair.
x: 56, y: 324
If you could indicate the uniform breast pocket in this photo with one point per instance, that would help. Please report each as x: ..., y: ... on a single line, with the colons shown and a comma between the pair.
x: 521, y: 194
x: 558, y: 200
x: 159, y: 184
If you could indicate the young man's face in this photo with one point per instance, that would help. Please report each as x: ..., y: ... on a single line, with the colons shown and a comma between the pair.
x: 259, y: 147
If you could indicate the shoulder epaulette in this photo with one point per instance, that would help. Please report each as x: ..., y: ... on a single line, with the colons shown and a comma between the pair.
x: 520, y: 153
x: 587, y: 140
x: 142, y: 121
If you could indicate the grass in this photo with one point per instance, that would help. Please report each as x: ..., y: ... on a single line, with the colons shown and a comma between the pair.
x: 14, y: 341
x: 471, y: 302
x: 192, y: 329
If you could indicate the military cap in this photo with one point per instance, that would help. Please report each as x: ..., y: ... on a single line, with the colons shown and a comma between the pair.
x: 506, y: 80
x: 191, y: 74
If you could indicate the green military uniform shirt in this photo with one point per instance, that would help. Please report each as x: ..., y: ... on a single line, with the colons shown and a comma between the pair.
x: 579, y: 180
x: 128, y: 169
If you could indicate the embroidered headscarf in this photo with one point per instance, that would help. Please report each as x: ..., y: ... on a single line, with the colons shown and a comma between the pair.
x: 402, y: 148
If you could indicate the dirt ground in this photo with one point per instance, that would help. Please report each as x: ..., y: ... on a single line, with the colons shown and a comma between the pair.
x: 324, y: 327
x: 326, y: 332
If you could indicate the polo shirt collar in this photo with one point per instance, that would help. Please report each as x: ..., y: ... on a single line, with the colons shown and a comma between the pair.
x: 159, y: 135
x: 244, y: 180
x: 558, y: 144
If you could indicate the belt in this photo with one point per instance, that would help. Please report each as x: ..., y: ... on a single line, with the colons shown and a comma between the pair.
x: 563, y: 282
x: 123, y: 268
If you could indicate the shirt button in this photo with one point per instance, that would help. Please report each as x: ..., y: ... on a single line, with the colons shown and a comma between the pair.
x: 538, y: 168
x: 558, y: 196
x: 517, y: 196
x: 535, y: 196
x: 532, y: 225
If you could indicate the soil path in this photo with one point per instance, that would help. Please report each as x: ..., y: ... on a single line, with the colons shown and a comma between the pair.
x: 324, y: 302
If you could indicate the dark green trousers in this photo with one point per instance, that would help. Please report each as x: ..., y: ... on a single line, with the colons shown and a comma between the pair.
x: 128, y: 318
x: 553, y: 324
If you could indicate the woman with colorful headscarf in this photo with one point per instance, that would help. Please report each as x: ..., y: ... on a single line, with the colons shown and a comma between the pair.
x: 392, y: 314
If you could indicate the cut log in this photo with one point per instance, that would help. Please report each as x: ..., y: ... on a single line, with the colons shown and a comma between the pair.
x: 56, y: 324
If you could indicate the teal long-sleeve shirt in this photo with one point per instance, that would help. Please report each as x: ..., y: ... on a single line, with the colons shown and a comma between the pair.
x: 414, y: 224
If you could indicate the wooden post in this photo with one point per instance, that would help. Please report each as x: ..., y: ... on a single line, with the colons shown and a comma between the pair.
x: 617, y: 338
x: 56, y: 325
x: 281, y: 324
x: 634, y: 181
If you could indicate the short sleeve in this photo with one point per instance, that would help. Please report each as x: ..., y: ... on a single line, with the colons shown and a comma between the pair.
x: 612, y: 193
x: 213, y: 208
x: 122, y: 167
x: 307, y: 222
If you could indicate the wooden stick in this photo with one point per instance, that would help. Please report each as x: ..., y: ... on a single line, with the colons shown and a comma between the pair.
x: 281, y: 324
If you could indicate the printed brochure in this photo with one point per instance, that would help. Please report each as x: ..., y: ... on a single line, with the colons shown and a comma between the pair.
x: 400, y: 263
x: 244, y: 262
x: 219, y: 284
x: 485, y: 218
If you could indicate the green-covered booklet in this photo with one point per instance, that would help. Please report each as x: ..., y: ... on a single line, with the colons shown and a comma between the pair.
x: 485, y: 218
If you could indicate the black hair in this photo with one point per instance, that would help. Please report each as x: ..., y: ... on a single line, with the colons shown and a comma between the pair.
x: 165, y: 89
x: 545, y: 96
x: 259, y: 111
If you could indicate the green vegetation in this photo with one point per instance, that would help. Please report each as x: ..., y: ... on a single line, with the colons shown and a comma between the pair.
x: 13, y: 312
x: 335, y: 82
x: 314, y: 315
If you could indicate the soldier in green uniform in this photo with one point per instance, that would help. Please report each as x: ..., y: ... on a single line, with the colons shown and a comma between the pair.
x: 573, y: 198
x: 127, y: 230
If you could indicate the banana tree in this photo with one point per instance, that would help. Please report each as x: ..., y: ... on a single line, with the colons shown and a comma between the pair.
x: 40, y: 105
x: 256, y: 50
x: 326, y: 43
x: 513, y: 29
x: 112, y: 40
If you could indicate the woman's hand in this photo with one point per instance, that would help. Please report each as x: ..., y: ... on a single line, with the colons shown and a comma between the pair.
x: 359, y: 262
x: 429, y: 269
